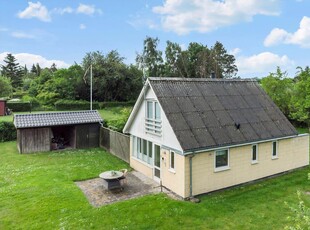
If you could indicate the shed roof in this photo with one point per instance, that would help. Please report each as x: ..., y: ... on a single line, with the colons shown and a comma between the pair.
x: 207, y: 113
x: 56, y: 119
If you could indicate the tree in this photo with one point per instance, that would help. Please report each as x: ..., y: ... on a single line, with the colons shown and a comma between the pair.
x: 223, y: 64
x: 53, y: 67
x: 38, y: 69
x: 280, y: 88
x: 5, y: 87
x: 300, y: 106
x: 173, y: 55
x: 150, y: 60
x: 12, y: 70
x: 33, y: 69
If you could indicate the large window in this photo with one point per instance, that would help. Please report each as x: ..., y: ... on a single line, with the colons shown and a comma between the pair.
x: 254, y: 154
x: 143, y: 150
x: 153, y: 118
x: 274, y: 149
x: 221, y: 160
x: 171, y: 161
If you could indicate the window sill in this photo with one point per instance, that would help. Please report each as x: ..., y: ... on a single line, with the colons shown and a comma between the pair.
x: 220, y: 169
x: 171, y: 170
x: 274, y: 157
x: 254, y: 162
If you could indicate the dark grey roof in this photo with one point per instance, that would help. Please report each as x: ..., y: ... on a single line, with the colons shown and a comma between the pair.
x: 204, y: 113
x: 56, y: 119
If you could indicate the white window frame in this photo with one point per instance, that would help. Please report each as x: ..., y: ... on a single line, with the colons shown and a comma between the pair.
x: 222, y: 168
x: 256, y: 160
x: 172, y: 169
x: 138, y: 152
x: 277, y: 150
x: 153, y: 125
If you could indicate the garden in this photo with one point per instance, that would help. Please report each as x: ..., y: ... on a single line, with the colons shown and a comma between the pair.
x: 37, y: 191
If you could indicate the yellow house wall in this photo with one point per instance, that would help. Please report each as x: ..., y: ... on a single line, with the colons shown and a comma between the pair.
x: 292, y: 153
x: 173, y: 179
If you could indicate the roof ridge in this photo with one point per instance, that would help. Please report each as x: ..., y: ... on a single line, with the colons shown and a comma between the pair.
x: 55, y: 112
x: 201, y: 79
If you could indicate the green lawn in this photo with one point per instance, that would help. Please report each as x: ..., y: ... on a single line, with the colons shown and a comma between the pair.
x: 37, y: 191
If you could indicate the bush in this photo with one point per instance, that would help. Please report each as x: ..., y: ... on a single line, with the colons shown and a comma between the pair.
x: 74, y: 105
x: 7, y: 131
x: 119, y: 124
x: 19, y: 106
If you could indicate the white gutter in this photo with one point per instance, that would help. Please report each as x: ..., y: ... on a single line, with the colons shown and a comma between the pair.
x: 239, y: 145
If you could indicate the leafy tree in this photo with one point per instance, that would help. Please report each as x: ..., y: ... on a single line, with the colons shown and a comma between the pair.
x: 5, y: 87
x: 173, y: 54
x: 300, y: 108
x: 280, y: 88
x: 150, y: 60
x: 113, y: 80
x: 12, y: 70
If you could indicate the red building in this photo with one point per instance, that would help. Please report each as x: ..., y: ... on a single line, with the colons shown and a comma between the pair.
x: 2, y: 107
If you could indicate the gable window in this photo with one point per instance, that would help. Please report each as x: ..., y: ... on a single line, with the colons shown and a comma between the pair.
x: 171, y: 163
x: 274, y: 149
x: 221, y: 160
x: 254, y: 154
x: 153, y: 118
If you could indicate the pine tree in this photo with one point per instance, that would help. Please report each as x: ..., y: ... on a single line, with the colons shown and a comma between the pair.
x: 33, y: 69
x: 13, y: 71
x: 38, y: 69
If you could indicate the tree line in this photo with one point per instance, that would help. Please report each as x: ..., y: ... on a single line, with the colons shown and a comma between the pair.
x: 113, y: 80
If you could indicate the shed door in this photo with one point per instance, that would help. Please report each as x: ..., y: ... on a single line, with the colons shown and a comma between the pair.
x: 82, y: 137
x: 93, y: 136
x: 87, y: 136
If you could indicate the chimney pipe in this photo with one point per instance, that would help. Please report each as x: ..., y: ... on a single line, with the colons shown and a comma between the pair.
x: 213, y: 75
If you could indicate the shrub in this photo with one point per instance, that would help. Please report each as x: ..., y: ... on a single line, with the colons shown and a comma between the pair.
x: 7, y: 131
x: 119, y: 124
x: 74, y: 105
x: 19, y: 106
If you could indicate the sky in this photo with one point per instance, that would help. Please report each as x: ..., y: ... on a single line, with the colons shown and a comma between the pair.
x: 262, y: 34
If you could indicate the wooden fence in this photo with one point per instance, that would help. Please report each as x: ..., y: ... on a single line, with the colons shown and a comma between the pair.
x: 116, y: 143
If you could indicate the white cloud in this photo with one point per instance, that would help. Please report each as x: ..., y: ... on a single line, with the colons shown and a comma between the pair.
x: 86, y: 9
x: 66, y: 10
x: 262, y: 64
x: 235, y: 51
x: 35, y: 10
x: 184, y: 16
x: 22, y: 35
x: 82, y: 26
x: 301, y: 37
x: 29, y: 59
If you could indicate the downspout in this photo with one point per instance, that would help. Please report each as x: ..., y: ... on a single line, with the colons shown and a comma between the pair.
x: 191, y: 174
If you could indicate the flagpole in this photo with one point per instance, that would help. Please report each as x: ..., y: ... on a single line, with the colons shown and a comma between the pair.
x: 91, y: 87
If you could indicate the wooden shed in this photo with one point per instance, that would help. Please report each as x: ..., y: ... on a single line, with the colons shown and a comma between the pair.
x: 2, y: 107
x: 57, y: 130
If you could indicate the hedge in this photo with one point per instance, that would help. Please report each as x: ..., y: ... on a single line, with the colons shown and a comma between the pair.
x: 74, y: 105
x: 85, y: 105
x: 22, y: 106
x: 7, y: 131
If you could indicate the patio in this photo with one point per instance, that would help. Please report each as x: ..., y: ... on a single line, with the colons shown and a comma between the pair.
x: 136, y: 185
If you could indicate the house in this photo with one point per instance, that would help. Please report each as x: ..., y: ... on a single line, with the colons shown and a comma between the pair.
x: 57, y: 130
x: 200, y: 135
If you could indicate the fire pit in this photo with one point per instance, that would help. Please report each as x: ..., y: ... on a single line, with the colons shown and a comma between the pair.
x: 112, y: 179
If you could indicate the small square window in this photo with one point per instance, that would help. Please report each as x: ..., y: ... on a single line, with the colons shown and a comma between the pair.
x: 222, y: 159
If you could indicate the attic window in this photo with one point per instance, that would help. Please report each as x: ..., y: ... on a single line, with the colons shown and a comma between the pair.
x: 153, y: 118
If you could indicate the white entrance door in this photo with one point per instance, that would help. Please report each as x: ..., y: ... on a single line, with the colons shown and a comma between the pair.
x: 157, y: 162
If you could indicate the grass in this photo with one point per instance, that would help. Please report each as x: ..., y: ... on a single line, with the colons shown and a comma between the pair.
x: 37, y: 191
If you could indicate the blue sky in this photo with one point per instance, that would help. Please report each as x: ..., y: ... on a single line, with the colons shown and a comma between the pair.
x: 262, y: 34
